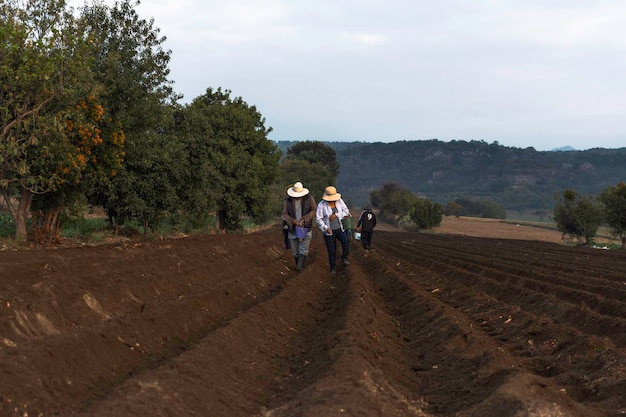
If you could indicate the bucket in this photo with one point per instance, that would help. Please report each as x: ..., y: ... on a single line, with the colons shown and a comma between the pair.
x: 301, y: 232
x: 347, y: 222
x: 357, y: 235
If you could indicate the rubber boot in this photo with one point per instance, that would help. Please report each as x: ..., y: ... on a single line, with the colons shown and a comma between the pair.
x: 300, y: 263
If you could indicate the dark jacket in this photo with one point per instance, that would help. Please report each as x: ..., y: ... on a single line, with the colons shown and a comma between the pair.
x: 308, y: 211
x: 367, y: 221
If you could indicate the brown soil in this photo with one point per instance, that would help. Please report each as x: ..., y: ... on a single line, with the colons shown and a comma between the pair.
x: 428, y: 324
x: 471, y: 226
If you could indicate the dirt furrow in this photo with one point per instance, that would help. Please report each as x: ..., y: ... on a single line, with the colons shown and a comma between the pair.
x: 590, y: 313
x: 137, y: 324
x: 370, y: 373
x: 552, y: 259
x: 423, y: 325
x: 483, y: 255
x: 459, y: 369
x: 259, y: 360
x: 603, y: 300
x: 580, y: 362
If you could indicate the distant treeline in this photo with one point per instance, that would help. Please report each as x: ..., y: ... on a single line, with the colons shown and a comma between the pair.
x: 518, y: 179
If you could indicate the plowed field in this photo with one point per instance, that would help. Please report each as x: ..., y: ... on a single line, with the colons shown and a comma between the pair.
x: 222, y: 325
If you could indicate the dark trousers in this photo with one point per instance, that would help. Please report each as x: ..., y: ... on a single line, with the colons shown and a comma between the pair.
x: 286, y: 238
x: 366, y: 239
x: 331, y: 246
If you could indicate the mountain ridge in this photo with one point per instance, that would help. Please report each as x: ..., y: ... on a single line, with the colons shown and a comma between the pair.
x: 518, y: 179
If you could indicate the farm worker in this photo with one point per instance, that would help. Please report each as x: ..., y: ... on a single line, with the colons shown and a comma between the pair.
x: 365, y: 226
x: 298, y: 211
x: 330, y: 211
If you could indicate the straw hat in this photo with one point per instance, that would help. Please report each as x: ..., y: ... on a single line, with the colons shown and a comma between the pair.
x: 297, y: 190
x: 331, y: 194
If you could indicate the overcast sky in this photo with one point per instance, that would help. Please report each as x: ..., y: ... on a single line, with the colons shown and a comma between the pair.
x: 545, y: 74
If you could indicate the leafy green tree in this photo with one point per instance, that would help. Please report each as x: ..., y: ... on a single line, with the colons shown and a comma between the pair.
x: 233, y: 161
x: 614, y: 200
x: 129, y: 66
x: 202, y: 185
x: 132, y: 66
x: 89, y: 150
x: 315, y: 174
x: 591, y: 216
x: 577, y: 216
x: 315, y: 177
x: 52, y: 121
x: 565, y: 214
x: 392, y: 201
x: 493, y: 210
x: 147, y: 188
x: 426, y: 214
x: 316, y: 152
x: 453, y: 209
x: 481, y: 208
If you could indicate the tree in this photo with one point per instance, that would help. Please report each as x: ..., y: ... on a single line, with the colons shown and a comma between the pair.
x: 147, y: 188
x: 132, y: 66
x: 577, y: 216
x: 315, y: 177
x: 426, y: 214
x: 478, y: 208
x: 392, y: 201
x: 316, y: 152
x: 312, y: 163
x: 453, y: 209
x: 614, y: 200
x: 90, y: 151
x: 52, y: 119
x: 565, y: 214
x: 233, y: 161
x: 493, y: 210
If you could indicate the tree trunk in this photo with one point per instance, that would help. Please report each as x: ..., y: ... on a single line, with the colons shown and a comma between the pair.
x: 221, y: 219
x: 47, y: 225
x: 21, y: 215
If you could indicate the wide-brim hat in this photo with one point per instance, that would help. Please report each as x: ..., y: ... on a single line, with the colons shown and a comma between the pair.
x: 331, y: 194
x: 297, y: 190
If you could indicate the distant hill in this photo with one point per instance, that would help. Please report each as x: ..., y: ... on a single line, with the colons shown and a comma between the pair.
x: 563, y: 149
x: 519, y: 179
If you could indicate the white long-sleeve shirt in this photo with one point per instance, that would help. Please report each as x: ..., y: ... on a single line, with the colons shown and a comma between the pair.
x: 324, y: 210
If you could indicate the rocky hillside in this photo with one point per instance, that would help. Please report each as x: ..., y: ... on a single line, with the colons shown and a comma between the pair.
x: 519, y: 179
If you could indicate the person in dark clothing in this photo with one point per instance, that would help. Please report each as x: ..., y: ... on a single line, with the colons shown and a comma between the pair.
x: 365, y: 225
x: 299, y: 210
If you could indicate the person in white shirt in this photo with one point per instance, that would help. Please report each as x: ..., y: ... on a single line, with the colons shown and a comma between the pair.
x: 330, y: 211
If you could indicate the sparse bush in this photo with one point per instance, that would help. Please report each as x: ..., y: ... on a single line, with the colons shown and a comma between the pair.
x: 577, y: 216
x: 82, y: 227
x: 426, y: 214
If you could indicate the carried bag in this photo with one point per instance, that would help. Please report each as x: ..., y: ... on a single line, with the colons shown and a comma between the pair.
x: 301, y: 232
x: 357, y: 235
